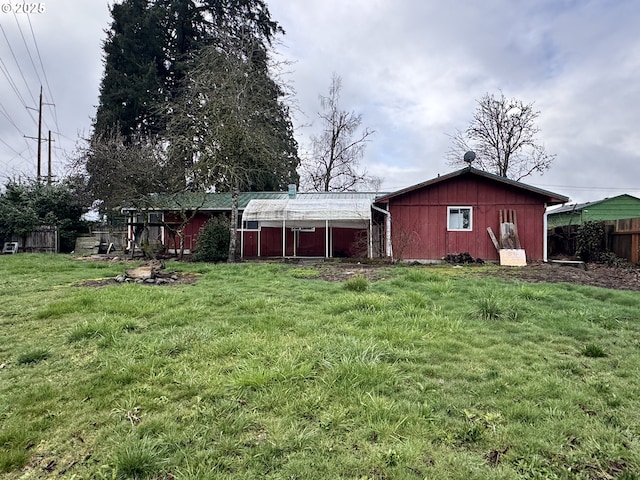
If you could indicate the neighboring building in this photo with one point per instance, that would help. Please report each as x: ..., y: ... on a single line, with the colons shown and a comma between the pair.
x: 620, y: 214
x: 614, y: 208
x: 451, y: 213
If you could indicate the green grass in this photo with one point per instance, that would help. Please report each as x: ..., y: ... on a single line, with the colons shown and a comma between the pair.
x: 267, y: 371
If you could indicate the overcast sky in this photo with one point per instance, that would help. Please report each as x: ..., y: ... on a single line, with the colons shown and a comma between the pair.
x: 413, y: 69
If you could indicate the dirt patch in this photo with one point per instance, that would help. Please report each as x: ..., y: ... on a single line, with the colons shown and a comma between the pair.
x: 180, y: 278
x: 618, y: 278
x: 342, y: 271
x: 599, y: 275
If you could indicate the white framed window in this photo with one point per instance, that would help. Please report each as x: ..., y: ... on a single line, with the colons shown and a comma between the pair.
x: 460, y: 219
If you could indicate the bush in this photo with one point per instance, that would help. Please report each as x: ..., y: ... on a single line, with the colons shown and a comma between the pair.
x: 590, y: 241
x: 612, y: 260
x: 213, y: 241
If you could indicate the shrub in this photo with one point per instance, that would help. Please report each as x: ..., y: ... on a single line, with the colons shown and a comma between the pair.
x: 612, y: 260
x: 213, y: 241
x: 590, y: 241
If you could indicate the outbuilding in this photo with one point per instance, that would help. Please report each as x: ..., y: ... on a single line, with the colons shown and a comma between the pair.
x: 270, y: 224
x: 452, y: 214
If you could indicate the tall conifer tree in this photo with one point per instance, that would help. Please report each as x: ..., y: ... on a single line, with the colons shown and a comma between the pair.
x: 150, y: 52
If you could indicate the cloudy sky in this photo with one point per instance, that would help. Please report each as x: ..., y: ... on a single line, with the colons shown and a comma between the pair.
x: 413, y: 69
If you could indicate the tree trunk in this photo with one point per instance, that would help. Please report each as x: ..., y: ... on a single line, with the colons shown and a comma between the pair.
x: 233, y: 229
x: 180, y: 234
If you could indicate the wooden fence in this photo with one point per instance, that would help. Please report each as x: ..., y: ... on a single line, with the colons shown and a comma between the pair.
x: 625, y: 239
x: 622, y: 237
x: 45, y: 239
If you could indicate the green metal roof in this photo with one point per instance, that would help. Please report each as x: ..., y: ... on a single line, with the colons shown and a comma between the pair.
x: 614, y: 208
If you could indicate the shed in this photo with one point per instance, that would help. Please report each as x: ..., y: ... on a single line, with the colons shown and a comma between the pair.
x: 271, y: 224
x: 166, y: 212
x: 451, y: 213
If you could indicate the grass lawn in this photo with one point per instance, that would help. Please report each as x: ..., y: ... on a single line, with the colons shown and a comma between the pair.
x: 267, y: 371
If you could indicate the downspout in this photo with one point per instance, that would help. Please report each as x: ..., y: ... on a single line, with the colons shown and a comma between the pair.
x: 387, y: 233
x: 370, y: 236
x: 544, y: 237
x: 326, y: 239
x: 163, y: 234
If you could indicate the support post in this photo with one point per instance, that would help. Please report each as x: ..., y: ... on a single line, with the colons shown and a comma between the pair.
x: 545, y: 254
x: 326, y: 238
x: 40, y: 137
x: 284, y: 238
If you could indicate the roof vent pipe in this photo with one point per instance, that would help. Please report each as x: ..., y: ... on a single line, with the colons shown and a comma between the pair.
x: 292, y: 190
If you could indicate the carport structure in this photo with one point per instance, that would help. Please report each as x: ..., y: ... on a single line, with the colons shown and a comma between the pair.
x: 324, y: 224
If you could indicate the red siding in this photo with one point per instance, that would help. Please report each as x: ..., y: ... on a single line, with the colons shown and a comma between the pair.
x: 309, y: 244
x: 419, y: 219
x: 191, y: 230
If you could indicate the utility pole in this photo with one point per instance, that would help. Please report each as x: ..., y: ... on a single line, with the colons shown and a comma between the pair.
x: 40, y: 136
x: 39, y: 139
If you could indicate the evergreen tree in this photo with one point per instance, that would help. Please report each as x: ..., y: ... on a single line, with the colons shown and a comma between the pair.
x: 152, y: 52
x: 135, y: 71
x: 149, y: 48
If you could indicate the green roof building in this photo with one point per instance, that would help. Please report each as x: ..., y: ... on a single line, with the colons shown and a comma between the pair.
x: 615, y: 208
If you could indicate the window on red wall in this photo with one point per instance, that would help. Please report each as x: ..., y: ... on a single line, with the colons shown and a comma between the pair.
x: 460, y: 219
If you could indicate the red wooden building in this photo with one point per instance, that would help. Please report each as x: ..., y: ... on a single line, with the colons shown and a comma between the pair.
x: 450, y: 214
x: 270, y: 224
x: 446, y: 215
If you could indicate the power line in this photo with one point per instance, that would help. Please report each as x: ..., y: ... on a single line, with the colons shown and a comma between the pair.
x: 4, y: 112
x: 18, y: 65
x: 11, y: 148
x: 40, y: 74
x: 44, y: 73
x: 27, y: 48
x: 12, y: 83
x: 5, y: 70
x: 576, y: 187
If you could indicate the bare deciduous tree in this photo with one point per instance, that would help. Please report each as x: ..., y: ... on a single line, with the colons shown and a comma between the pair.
x: 122, y: 172
x: 229, y: 128
x: 135, y: 173
x: 503, y: 136
x: 334, y: 162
